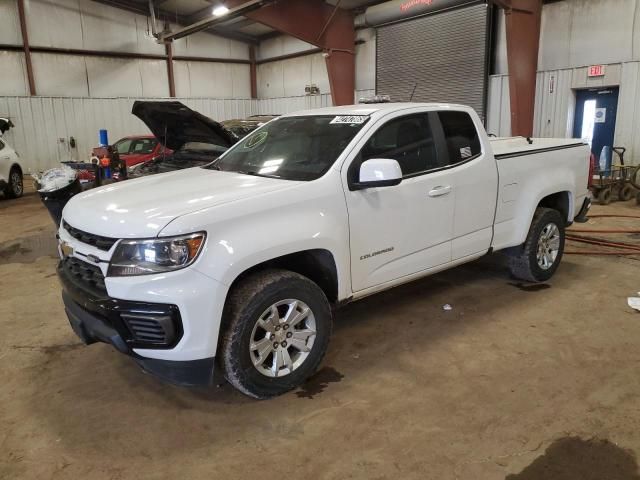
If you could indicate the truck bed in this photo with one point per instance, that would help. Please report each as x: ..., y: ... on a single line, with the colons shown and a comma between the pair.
x: 528, y: 172
x: 512, y: 146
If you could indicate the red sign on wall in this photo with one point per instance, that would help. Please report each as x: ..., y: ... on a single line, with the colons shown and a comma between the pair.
x: 595, y: 71
x: 414, y: 3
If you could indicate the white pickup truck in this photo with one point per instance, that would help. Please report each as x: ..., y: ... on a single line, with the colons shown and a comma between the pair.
x: 234, y: 267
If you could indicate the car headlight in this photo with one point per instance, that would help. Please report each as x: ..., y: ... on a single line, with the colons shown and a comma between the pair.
x: 156, y: 255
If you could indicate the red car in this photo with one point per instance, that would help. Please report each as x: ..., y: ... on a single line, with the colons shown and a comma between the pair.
x: 139, y: 149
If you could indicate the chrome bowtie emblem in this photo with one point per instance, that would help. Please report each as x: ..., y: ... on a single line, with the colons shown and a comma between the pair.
x: 93, y: 258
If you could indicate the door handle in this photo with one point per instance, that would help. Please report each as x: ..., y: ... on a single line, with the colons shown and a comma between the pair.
x: 440, y: 190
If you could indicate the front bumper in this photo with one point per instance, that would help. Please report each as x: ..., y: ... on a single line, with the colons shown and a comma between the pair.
x: 96, y: 317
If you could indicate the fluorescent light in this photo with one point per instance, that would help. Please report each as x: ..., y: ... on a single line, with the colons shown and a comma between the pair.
x: 220, y: 10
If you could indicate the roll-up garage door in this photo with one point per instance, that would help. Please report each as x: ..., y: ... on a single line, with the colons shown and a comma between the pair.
x: 443, y: 56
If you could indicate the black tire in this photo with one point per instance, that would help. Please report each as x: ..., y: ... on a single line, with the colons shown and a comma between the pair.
x: 246, y: 303
x: 15, y: 185
x: 524, y: 262
x: 604, y: 196
x: 625, y: 193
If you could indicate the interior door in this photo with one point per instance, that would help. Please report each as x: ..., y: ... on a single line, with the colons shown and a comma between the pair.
x: 400, y: 230
x: 595, y: 120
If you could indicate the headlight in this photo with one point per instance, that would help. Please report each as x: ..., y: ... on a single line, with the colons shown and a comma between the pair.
x: 157, y: 255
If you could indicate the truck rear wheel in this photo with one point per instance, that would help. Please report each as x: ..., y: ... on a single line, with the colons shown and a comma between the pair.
x: 539, y: 257
x: 277, y: 329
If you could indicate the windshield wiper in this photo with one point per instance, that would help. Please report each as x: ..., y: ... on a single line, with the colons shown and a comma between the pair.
x: 255, y: 174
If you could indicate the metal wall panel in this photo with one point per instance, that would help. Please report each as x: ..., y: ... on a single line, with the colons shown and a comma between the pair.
x: 366, y: 60
x: 288, y: 78
x: 305, y: 102
x: 443, y: 56
x: 281, y: 45
x: 219, y: 80
x: 88, y: 25
x: 9, y: 24
x: 578, y: 33
x: 555, y: 103
x: 498, y: 108
x: 42, y: 121
x: 14, y: 75
x: 60, y: 74
x: 207, y: 45
x: 54, y: 23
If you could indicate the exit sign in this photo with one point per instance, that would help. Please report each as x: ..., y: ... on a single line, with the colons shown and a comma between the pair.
x: 596, y: 71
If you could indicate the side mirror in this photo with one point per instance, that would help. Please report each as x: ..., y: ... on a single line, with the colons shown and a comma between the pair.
x: 378, y: 172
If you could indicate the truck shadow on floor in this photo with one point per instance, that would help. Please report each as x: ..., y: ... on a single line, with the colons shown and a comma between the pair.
x: 572, y: 458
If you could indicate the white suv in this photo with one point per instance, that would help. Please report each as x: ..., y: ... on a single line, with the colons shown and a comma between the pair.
x: 11, y: 183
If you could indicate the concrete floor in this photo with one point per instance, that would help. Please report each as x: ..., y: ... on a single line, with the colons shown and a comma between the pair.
x: 512, y: 383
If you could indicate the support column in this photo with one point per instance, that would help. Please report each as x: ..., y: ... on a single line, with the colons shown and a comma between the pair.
x: 320, y: 24
x: 523, y: 39
x: 252, y: 71
x: 25, y: 47
x: 172, y: 84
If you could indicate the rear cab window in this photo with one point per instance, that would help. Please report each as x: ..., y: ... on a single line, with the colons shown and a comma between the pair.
x: 461, y: 136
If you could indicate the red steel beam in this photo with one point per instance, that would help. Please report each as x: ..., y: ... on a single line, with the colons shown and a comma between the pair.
x: 25, y: 47
x: 172, y: 82
x: 252, y: 72
x: 322, y: 25
x: 523, y: 39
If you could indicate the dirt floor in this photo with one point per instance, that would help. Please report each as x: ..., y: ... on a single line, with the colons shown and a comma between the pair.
x: 514, y: 382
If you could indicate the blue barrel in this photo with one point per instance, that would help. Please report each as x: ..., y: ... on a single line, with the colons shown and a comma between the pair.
x: 104, y: 138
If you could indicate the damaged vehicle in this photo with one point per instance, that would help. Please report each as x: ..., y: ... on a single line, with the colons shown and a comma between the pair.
x: 11, y: 177
x: 234, y: 269
x: 137, y: 149
x: 190, y: 138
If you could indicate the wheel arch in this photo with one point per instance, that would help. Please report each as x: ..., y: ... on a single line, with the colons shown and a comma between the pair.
x: 561, y: 201
x: 318, y: 265
x: 17, y: 165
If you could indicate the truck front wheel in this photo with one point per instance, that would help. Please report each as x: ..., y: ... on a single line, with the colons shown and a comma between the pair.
x: 539, y: 257
x: 277, y: 328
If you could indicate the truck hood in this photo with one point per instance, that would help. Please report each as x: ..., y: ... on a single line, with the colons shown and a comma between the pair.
x: 141, y: 208
x: 175, y: 124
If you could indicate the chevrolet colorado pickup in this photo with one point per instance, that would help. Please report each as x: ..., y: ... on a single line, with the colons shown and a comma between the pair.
x: 234, y: 267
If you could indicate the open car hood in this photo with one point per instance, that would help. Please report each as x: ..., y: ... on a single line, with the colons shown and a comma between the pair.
x: 175, y: 124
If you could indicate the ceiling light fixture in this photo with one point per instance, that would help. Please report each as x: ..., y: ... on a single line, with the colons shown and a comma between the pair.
x: 220, y: 10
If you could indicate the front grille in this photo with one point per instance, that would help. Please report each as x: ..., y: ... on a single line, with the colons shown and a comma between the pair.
x: 102, y: 243
x: 84, y: 275
x: 150, y: 328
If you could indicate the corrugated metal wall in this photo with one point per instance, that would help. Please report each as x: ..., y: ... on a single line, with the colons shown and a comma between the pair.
x: 441, y: 56
x: 41, y: 122
x: 555, y: 103
x: 283, y: 78
x: 87, y: 25
x: 45, y: 124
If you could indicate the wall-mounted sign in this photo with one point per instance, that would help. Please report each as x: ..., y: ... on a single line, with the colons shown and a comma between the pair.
x: 601, y: 115
x: 595, y: 71
x: 414, y: 3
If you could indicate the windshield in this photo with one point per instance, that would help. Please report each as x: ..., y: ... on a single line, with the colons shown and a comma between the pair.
x: 292, y: 148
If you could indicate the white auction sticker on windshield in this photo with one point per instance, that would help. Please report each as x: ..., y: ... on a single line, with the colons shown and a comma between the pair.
x: 350, y: 119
